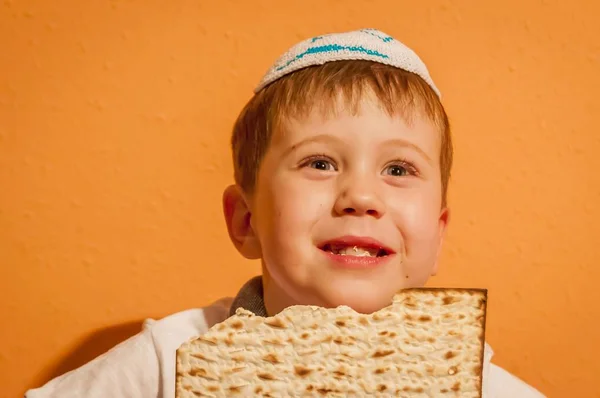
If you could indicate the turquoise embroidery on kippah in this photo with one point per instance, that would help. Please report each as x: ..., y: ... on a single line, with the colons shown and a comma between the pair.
x: 385, y: 39
x: 332, y: 48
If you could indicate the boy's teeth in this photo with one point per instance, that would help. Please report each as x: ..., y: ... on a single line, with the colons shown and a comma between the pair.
x: 355, y: 251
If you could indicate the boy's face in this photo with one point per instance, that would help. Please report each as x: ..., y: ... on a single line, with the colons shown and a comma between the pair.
x: 328, y: 185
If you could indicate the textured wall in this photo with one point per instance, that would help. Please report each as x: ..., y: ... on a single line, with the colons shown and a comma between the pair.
x: 114, y: 128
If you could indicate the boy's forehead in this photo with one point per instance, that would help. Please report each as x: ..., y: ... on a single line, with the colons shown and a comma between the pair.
x: 323, y: 113
x: 368, y: 119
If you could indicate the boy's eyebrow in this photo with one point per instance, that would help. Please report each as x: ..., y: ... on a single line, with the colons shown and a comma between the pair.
x: 405, y: 143
x: 316, y: 138
x: 329, y: 138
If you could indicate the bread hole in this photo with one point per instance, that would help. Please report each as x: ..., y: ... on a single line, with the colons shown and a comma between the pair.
x: 274, y: 341
x: 271, y: 358
x: 237, y: 325
x: 198, y: 372
x: 201, y: 357
x: 327, y: 339
x: 453, y: 370
x: 302, y: 371
x: 324, y: 391
x: 209, y: 340
x: 380, y: 316
x: 449, y: 300
x: 266, y: 376
x: 275, y: 323
x: 236, y: 370
x: 339, y: 372
x: 382, y: 353
x: 235, y: 389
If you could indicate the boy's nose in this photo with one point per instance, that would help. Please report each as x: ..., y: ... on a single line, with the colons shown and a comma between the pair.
x: 360, y: 199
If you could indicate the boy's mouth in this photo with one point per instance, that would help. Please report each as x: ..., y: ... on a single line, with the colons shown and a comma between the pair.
x: 354, y: 251
x: 355, y: 246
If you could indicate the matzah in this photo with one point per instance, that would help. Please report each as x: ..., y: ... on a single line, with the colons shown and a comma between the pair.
x: 427, y: 343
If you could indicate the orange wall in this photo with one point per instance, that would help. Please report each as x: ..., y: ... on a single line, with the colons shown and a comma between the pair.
x: 114, y: 128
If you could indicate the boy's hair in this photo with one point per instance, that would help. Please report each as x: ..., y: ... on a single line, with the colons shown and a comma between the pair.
x: 321, y: 87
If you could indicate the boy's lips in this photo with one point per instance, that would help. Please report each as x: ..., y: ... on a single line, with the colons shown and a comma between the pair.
x: 365, y: 243
x: 356, y: 252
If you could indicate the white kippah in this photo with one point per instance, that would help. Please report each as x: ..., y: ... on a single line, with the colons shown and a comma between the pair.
x: 364, y: 44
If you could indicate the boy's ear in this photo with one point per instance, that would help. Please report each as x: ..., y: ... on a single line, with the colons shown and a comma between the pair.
x: 442, y: 224
x: 237, y: 216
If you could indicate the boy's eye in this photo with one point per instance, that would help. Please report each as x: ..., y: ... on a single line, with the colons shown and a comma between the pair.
x: 399, y: 170
x: 320, y: 164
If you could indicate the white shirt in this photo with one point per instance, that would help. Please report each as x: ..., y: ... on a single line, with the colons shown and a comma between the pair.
x: 144, y: 365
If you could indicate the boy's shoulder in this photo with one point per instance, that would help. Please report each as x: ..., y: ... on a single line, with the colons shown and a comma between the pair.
x: 192, y: 322
x: 498, y: 383
x: 141, y: 366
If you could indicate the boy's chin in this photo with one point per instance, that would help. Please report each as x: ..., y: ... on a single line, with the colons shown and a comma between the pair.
x: 364, y: 302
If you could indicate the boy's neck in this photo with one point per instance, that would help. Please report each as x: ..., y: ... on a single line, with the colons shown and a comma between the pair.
x: 250, y: 297
x: 254, y: 297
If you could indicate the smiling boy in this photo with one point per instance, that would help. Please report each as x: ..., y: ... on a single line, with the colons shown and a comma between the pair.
x: 342, y: 161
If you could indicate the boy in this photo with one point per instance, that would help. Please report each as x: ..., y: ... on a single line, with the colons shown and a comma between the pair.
x: 342, y: 160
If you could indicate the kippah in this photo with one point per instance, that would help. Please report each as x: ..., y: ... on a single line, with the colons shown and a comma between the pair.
x: 365, y: 44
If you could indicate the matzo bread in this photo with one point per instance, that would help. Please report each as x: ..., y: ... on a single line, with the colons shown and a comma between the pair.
x: 427, y: 343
